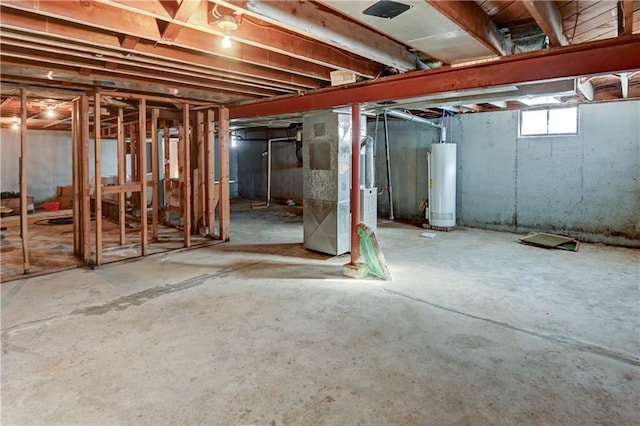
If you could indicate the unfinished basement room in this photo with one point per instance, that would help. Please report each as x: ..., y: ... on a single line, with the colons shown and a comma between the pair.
x: 301, y: 212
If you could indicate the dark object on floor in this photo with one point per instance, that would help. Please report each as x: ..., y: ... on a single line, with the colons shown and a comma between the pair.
x: 541, y: 239
x: 56, y: 221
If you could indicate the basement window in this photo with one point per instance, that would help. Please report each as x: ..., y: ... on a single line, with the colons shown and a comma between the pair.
x: 550, y: 121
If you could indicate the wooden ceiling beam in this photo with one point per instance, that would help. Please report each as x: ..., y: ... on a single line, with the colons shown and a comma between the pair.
x: 120, y: 21
x: 474, y: 21
x: 182, y: 14
x: 45, y: 48
x: 311, y: 20
x: 625, y: 18
x: 123, y: 75
x: 549, y: 19
x: 613, y: 55
x: 129, y: 42
x: 252, y: 33
x: 31, y: 24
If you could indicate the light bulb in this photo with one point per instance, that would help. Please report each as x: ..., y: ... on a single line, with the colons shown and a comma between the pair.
x: 50, y: 113
x: 226, y: 42
x: 14, y: 125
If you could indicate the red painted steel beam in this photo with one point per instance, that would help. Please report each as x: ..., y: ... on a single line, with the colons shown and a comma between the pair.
x: 601, y: 57
x: 355, y: 182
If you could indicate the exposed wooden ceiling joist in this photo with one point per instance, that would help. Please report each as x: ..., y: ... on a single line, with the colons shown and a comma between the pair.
x: 625, y: 16
x: 115, y: 19
x: 319, y: 22
x: 471, y: 18
x: 10, y: 19
x: 184, y: 11
x: 253, y: 33
x: 549, y: 19
x: 82, y: 57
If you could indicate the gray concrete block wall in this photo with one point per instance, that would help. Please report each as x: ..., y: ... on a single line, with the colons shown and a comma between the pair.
x: 409, y: 144
x: 252, y: 167
x: 49, y: 161
x: 586, y: 186
x: 486, y: 178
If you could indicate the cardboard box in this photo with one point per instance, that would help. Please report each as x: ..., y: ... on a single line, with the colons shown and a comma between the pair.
x: 64, y: 190
x: 66, y: 202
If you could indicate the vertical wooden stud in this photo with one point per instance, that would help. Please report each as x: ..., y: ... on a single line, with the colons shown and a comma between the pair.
x: 209, y: 134
x: 196, y: 201
x: 223, y: 159
x: 75, y: 177
x: 97, y: 151
x: 155, y: 173
x: 201, y: 171
x: 166, y: 137
x: 24, y: 205
x: 142, y: 170
x: 122, y: 172
x: 187, y: 175
x: 85, y: 196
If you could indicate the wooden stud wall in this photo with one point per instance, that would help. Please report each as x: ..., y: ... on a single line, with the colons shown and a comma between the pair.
x: 200, y: 195
x: 24, y: 227
x: 223, y: 159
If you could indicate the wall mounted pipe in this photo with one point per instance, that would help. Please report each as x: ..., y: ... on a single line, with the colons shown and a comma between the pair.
x: 269, y: 163
x: 410, y: 117
x: 368, y: 166
x: 386, y: 145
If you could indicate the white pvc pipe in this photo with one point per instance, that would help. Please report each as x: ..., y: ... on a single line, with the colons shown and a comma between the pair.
x: 269, y: 165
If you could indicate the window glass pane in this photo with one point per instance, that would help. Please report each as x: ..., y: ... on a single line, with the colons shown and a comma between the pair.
x: 563, y: 120
x: 533, y: 122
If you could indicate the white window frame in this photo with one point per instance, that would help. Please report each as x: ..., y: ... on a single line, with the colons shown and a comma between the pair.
x: 547, y: 134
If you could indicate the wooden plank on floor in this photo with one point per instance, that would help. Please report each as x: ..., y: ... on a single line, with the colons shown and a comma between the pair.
x: 122, y: 172
x: 24, y: 205
x: 142, y: 169
x: 98, y: 176
x: 223, y: 158
x: 155, y: 173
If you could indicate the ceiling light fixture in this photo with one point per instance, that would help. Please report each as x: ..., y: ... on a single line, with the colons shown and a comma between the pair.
x: 15, y: 125
x: 227, y: 23
x: 51, y: 113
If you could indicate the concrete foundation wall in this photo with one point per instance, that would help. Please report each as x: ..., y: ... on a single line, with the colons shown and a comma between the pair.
x: 408, y: 146
x: 286, y: 181
x: 585, y: 186
x: 49, y: 161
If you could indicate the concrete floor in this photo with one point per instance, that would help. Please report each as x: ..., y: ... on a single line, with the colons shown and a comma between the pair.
x: 474, y: 329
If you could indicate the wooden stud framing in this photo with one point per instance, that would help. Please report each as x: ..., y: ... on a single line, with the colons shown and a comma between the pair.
x: 201, y: 172
x: 166, y: 138
x: 209, y: 134
x: 142, y: 170
x: 76, y: 176
x: 155, y: 173
x: 196, y: 200
x: 24, y: 225
x: 186, y: 169
x: 122, y: 172
x: 97, y: 176
x: 223, y: 158
x: 84, y: 179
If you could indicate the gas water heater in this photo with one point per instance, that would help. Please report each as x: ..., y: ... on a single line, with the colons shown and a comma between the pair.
x: 442, y: 185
